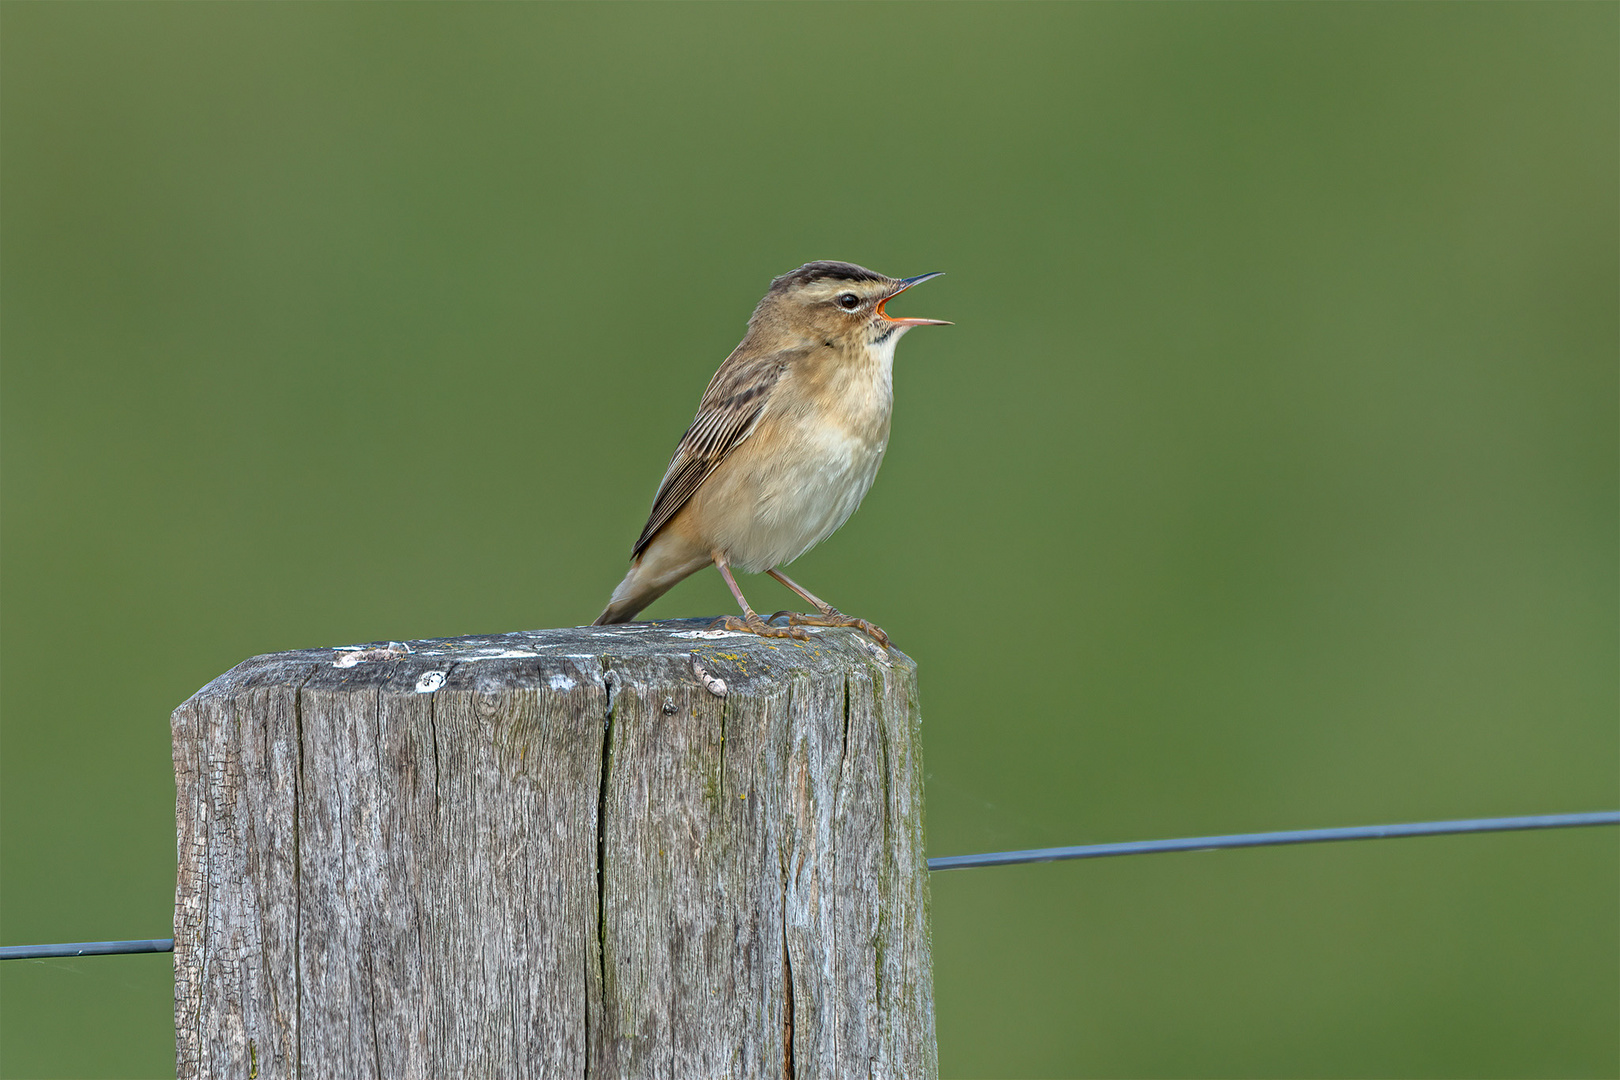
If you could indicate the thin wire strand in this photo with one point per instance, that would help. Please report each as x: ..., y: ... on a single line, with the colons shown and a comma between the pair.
x: 1272, y: 839
x: 86, y: 948
x: 1011, y: 858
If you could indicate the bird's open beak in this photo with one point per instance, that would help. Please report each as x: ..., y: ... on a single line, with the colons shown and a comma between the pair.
x: 906, y: 283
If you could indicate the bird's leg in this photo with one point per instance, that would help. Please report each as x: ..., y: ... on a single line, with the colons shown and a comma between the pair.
x: 830, y: 616
x: 751, y: 622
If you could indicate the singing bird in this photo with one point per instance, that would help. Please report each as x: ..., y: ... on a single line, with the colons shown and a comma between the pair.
x: 786, y: 441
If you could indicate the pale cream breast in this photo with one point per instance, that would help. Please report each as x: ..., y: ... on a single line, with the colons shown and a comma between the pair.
x: 810, y: 462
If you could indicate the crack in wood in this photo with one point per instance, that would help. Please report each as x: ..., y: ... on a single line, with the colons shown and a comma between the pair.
x: 298, y: 877
x: 787, y: 998
x: 610, y: 683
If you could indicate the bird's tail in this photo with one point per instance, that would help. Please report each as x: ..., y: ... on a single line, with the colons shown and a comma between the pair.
x: 626, y: 603
x: 653, y: 573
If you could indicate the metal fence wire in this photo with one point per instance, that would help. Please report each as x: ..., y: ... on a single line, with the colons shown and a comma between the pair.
x: 1035, y: 855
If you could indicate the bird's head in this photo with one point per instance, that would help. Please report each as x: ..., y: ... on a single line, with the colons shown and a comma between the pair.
x: 836, y: 303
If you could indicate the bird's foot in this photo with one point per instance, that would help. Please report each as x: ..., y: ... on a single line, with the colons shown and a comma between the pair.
x: 753, y: 624
x: 833, y: 617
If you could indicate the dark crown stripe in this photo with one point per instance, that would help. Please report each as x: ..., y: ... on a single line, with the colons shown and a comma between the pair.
x: 825, y: 270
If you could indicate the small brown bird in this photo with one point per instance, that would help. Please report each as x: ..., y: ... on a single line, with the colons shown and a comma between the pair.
x: 787, y: 439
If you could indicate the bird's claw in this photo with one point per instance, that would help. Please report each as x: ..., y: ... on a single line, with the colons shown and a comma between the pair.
x: 834, y: 617
x: 753, y: 624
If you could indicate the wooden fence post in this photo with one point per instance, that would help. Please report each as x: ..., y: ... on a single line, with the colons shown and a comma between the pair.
x: 603, y: 852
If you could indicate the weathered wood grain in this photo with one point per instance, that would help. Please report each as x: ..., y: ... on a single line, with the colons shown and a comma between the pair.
x: 635, y: 851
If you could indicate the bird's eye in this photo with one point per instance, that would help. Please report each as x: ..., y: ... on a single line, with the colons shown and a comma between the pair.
x: 849, y: 301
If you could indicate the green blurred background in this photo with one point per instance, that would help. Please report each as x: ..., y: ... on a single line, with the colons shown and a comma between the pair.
x: 1267, y: 480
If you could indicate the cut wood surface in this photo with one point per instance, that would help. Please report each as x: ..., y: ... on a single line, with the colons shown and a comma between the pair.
x: 643, y: 850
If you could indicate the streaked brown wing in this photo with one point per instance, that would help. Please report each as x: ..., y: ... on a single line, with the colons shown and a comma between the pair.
x: 729, y: 412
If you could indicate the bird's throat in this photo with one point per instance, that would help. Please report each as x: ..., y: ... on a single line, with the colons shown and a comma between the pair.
x: 880, y: 349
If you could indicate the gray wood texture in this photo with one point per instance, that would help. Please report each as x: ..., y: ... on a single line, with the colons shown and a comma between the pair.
x: 630, y: 851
